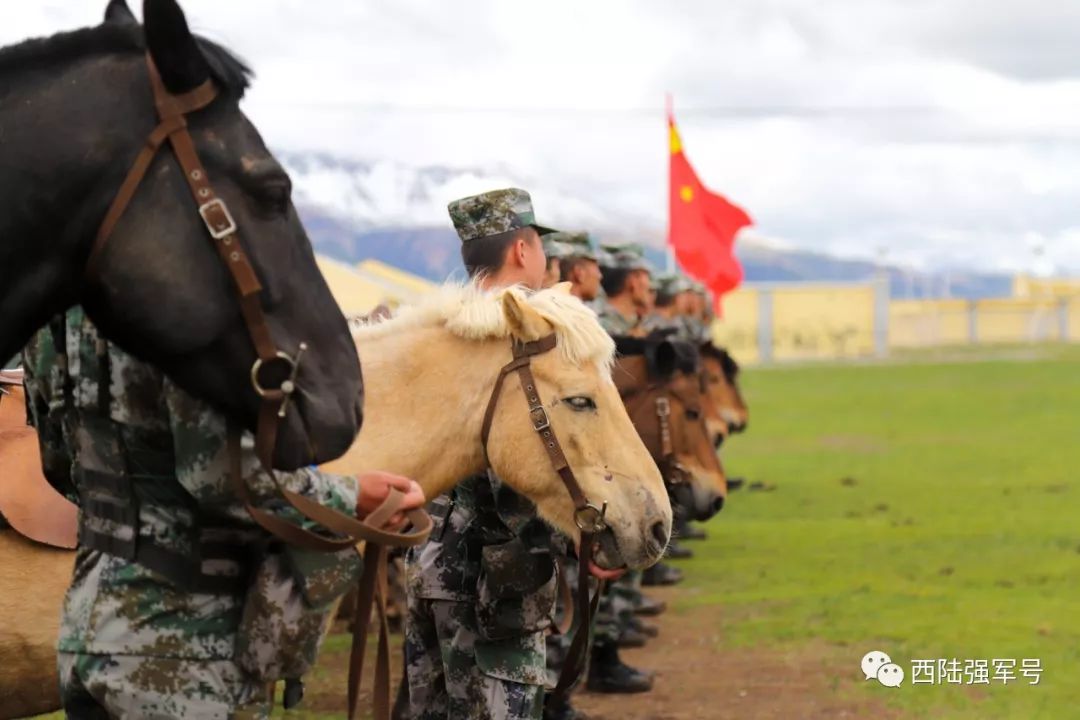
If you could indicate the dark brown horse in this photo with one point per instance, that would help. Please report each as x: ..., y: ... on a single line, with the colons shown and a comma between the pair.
x: 720, y: 374
x: 660, y: 385
x: 75, y: 110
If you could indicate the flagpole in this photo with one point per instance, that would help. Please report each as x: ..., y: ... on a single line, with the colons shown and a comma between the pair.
x: 669, y: 112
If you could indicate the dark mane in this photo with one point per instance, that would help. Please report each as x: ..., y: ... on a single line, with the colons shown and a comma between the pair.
x: 730, y: 367
x: 230, y: 73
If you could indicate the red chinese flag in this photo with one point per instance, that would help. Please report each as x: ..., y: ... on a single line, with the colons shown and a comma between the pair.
x: 702, y: 226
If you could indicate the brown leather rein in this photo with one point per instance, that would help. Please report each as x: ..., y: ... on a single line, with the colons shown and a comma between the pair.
x: 588, y: 517
x: 349, y: 531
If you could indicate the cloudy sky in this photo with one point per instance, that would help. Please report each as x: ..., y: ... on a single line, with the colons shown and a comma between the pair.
x: 930, y: 132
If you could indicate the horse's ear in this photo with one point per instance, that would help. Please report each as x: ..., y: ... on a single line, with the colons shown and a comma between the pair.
x: 172, y: 46
x: 525, y: 323
x: 118, y: 13
x: 563, y: 287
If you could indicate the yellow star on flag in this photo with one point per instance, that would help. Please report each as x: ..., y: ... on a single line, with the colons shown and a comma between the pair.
x: 676, y: 141
x: 686, y: 193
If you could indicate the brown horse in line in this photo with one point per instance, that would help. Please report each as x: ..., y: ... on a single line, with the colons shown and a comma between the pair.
x: 720, y: 373
x: 659, y: 383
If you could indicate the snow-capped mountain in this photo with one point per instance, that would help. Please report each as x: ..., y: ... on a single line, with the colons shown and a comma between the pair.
x: 396, y: 213
x: 391, y: 194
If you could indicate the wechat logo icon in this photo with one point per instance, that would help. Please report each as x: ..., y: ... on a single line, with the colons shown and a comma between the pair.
x: 877, y: 665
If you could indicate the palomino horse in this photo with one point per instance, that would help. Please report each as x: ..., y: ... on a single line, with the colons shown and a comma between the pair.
x: 720, y: 374
x: 659, y: 384
x: 28, y: 676
x: 76, y: 110
x: 430, y: 372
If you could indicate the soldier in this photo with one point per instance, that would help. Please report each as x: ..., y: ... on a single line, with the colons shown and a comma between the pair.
x: 626, y: 277
x: 673, y: 306
x: 474, y: 639
x: 555, y: 249
x: 168, y: 560
x: 581, y: 268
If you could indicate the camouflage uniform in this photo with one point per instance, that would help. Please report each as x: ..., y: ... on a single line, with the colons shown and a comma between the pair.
x: 150, y: 467
x: 482, y: 589
x: 679, y: 327
x: 481, y: 595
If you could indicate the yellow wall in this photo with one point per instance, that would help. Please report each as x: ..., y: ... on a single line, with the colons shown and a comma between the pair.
x: 1015, y: 320
x: 1025, y: 286
x: 926, y: 323
x: 823, y: 322
x: 737, y: 330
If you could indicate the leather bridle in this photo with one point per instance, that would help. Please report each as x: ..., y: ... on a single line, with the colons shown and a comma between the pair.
x: 587, y: 516
x: 672, y: 470
x: 172, y: 127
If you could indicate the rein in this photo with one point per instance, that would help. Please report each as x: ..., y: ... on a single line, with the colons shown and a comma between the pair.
x: 587, y: 516
x: 222, y: 229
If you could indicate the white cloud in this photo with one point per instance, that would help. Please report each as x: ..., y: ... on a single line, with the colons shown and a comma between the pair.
x: 941, y: 129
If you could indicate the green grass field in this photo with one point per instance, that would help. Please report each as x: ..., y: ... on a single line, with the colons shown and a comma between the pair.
x: 926, y: 510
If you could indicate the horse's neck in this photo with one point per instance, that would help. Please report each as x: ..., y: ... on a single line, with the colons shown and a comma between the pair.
x: 58, y: 141
x: 425, y: 393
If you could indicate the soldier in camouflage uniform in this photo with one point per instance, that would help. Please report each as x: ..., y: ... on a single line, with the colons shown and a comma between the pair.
x: 626, y: 281
x: 673, y: 306
x: 151, y: 624
x: 482, y: 589
x: 581, y: 268
x: 556, y: 247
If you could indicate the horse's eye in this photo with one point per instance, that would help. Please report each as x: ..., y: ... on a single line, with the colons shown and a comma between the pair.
x: 692, y: 414
x: 580, y: 403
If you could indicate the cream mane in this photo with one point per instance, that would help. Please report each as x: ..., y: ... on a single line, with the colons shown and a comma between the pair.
x: 474, y: 314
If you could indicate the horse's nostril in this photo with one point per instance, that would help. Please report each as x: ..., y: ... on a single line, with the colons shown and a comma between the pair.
x: 660, y: 533
x: 717, y: 504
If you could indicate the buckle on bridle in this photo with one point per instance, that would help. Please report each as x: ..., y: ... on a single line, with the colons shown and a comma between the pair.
x: 287, y: 387
x: 590, y: 518
x: 539, y: 418
x: 663, y: 407
x: 216, y: 229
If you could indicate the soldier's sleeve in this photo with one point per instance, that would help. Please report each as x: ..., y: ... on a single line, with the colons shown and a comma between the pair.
x: 202, y: 467
x: 44, y: 409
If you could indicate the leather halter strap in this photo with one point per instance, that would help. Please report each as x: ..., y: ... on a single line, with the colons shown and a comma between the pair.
x: 220, y: 226
x: 588, y: 517
x: 672, y: 471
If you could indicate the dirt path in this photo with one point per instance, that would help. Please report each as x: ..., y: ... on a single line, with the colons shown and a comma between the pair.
x: 696, y: 679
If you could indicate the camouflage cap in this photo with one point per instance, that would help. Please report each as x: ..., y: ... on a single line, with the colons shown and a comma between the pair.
x: 630, y: 256
x: 581, y: 246
x: 672, y: 284
x: 492, y: 213
x: 556, y: 245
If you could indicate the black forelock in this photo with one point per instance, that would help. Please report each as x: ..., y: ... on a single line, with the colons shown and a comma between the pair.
x: 727, y: 363
x: 232, y: 75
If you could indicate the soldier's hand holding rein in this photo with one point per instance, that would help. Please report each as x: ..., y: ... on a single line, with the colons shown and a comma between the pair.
x: 375, y: 487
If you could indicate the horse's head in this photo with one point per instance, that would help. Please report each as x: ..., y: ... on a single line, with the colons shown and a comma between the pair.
x: 161, y: 290
x: 612, y: 466
x: 659, y: 382
x: 720, y: 373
